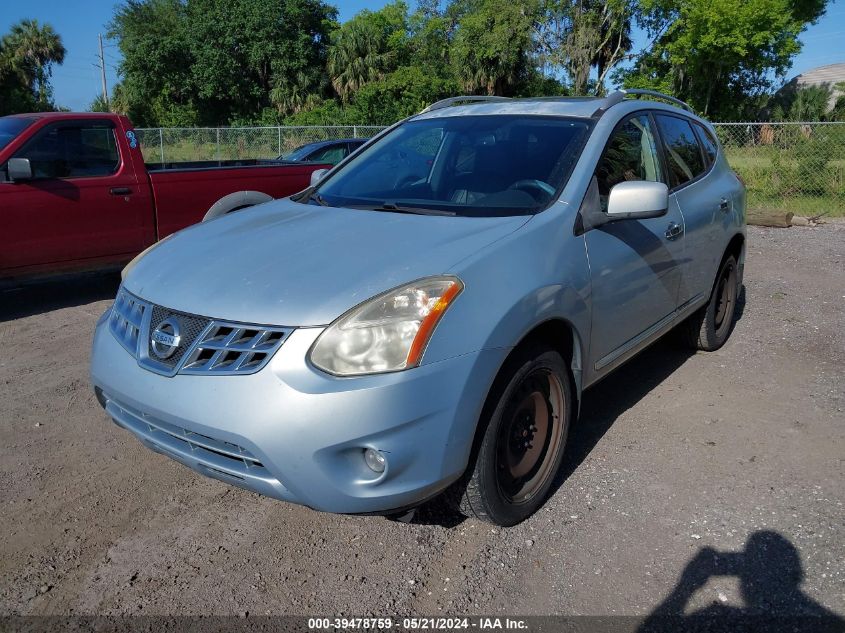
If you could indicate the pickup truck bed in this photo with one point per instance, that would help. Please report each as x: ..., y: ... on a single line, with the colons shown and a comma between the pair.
x: 184, y: 192
x: 75, y: 193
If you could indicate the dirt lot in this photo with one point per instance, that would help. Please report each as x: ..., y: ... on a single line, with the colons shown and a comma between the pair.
x: 741, y: 451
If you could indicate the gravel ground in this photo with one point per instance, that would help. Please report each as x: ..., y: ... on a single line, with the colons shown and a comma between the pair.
x: 691, y: 480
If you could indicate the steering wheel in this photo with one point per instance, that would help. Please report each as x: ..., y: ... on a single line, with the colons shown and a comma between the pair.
x: 534, y: 187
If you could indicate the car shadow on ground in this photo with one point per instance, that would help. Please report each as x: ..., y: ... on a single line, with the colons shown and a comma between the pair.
x: 37, y: 297
x: 769, y: 572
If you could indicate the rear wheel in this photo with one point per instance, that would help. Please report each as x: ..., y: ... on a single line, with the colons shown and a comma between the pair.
x: 525, y: 426
x: 709, y: 328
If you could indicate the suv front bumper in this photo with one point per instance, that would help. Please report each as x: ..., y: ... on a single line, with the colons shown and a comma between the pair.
x: 294, y: 433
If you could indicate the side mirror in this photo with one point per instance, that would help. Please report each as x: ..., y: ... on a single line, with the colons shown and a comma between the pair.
x: 317, y: 175
x: 19, y: 169
x: 637, y: 200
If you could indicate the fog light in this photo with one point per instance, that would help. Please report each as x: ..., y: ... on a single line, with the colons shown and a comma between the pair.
x: 374, y: 460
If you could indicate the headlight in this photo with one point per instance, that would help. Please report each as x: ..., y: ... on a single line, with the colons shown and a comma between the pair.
x: 387, y: 333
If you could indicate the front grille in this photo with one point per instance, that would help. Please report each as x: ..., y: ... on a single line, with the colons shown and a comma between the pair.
x: 233, y: 348
x: 190, y: 328
x: 205, y: 346
x: 127, y: 317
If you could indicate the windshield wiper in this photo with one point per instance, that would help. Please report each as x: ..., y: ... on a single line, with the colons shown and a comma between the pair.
x: 395, y: 208
x: 310, y: 194
x: 316, y: 197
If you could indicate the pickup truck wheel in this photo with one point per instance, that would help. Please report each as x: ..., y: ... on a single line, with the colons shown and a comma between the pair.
x: 709, y: 328
x: 525, y: 424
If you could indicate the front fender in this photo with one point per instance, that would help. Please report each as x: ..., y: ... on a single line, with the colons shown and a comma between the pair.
x: 537, y: 274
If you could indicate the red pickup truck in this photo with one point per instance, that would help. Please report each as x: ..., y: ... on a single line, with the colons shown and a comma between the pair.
x: 75, y: 193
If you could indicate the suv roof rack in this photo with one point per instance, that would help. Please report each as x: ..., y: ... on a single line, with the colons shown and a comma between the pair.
x: 619, y: 95
x: 445, y: 103
x: 606, y: 103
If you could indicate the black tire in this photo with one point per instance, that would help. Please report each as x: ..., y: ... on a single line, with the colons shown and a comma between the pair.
x: 515, y: 466
x: 710, y: 326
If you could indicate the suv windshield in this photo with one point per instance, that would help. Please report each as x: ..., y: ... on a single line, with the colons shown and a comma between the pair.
x: 489, y: 165
x: 10, y: 127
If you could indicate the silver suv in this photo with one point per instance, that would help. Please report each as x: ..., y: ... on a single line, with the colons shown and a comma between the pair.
x: 427, y: 314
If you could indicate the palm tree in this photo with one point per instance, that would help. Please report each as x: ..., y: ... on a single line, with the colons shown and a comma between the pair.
x: 33, y: 49
x: 290, y: 97
x: 357, y: 56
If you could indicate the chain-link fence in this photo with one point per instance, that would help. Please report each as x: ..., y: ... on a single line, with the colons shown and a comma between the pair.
x: 798, y: 167
x: 161, y: 145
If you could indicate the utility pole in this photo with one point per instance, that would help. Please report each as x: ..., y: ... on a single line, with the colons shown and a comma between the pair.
x: 103, y: 71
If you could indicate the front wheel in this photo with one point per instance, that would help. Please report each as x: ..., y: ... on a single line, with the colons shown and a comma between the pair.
x: 709, y: 328
x: 525, y: 424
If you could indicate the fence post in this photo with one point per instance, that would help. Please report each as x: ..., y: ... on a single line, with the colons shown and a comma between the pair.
x: 217, y: 151
x: 280, y: 140
x: 354, y: 131
x: 161, y: 145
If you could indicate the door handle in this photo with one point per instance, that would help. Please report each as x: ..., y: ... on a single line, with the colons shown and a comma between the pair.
x: 724, y: 204
x: 674, y: 230
x: 120, y: 191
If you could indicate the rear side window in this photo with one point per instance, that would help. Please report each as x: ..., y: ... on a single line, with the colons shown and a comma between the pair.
x: 333, y: 154
x: 683, y: 155
x: 708, y: 143
x: 72, y: 151
x: 631, y: 154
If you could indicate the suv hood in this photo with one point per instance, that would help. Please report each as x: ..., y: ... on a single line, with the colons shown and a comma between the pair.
x: 285, y: 263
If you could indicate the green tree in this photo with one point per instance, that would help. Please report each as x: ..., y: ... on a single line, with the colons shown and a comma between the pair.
x: 838, y: 111
x: 154, y: 41
x: 242, y: 49
x: 402, y: 93
x: 720, y: 55
x: 99, y: 105
x: 29, y: 51
x: 195, y: 62
x: 492, y: 49
x: 367, y: 47
x: 582, y: 36
x: 805, y: 103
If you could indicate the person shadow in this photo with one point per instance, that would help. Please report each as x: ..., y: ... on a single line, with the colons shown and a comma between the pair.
x: 770, y: 573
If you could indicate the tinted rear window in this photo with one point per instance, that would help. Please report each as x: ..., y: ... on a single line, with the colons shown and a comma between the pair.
x: 708, y: 144
x: 683, y: 155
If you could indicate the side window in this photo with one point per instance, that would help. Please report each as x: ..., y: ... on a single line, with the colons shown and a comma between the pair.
x: 631, y: 154
x: 333, y: 154
x: 708, y: 143
x: 72, y: 151
x: 683, y: 155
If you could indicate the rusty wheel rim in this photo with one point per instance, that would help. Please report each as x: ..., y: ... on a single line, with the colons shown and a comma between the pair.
x: 530, y: 436
x: 726, y: 293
